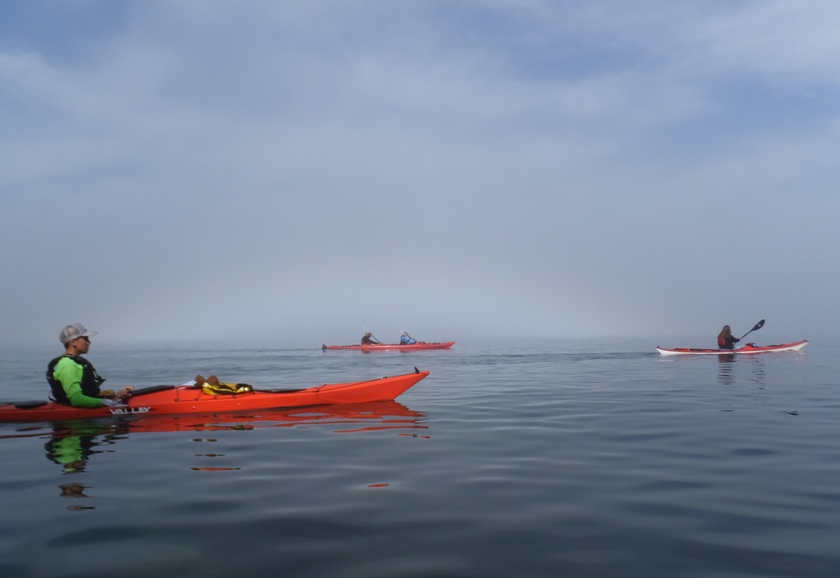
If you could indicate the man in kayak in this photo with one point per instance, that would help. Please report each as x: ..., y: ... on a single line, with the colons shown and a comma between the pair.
x: 406, y: 339
x: 73, y: 379
x: 369, y: 339
x: 725, y: 338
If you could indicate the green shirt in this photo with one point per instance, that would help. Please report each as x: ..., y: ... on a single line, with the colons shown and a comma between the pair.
x: 69, y: 375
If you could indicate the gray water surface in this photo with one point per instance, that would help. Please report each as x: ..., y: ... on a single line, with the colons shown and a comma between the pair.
x: 598, y: 459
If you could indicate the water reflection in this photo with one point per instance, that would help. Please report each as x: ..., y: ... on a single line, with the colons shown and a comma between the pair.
x: 729, y: 361
x: 72, y: 444
x: 758, y: 370
x: 74, y: 490
x: 725, y: 365
x: 348, y: 418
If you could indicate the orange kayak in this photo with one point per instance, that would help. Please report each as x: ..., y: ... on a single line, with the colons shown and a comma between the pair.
x: 393, y: 346
x: 187, y: 399
x: 344, y: 418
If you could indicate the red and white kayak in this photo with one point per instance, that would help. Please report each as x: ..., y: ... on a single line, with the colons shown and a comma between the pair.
x: 393, y: 346
x: 188, y: 399
x: 748, y: 348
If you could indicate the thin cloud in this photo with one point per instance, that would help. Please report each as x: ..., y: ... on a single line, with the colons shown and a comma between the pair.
x: 478, y: 167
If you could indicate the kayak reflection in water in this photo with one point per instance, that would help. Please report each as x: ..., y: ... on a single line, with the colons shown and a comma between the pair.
x: 71, y: 445
x: 725, y: 338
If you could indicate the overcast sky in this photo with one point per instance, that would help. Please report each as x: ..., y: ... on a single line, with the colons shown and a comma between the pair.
x: 297, y: 171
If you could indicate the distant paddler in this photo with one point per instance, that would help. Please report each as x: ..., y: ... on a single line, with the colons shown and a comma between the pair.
x: 369, y: 339
x: 406, y: 339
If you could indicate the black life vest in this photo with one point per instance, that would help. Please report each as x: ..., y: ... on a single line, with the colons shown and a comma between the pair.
x: 90, y: 379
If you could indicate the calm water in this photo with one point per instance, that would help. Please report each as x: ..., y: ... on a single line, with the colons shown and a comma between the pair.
x: 601, y: 459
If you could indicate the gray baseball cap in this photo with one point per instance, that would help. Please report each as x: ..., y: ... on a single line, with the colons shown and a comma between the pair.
x: 74, y: 331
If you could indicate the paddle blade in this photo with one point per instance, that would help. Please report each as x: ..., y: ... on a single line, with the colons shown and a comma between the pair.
x: 757, y: 326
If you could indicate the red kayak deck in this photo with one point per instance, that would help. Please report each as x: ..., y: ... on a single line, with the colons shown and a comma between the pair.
x: 748, y: 348
x: 186, y: 399
x: 393, y: 346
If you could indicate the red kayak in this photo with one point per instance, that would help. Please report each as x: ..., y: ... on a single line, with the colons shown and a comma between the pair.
x: 748, y: 348
x: 345, y: 418
x: 187, y: 399
x: 393, y: 346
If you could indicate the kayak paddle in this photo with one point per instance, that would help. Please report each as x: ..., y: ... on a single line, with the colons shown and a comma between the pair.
x: 757, y: 326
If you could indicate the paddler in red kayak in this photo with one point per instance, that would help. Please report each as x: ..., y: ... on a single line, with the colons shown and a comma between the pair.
x: 406, y: 339
x: 73, y: 379
x: 369, y: 339
x: 725, y: 338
